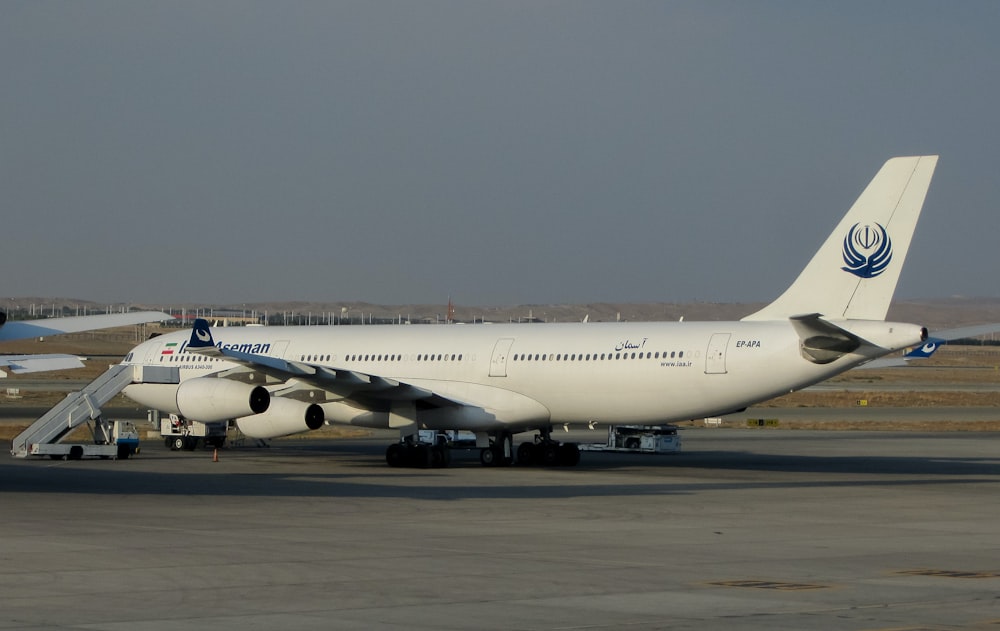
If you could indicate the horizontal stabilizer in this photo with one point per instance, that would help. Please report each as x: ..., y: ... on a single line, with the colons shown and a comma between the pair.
x: 822, y: 341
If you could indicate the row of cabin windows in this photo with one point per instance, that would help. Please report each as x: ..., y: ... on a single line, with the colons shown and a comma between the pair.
x: 190, y: 358
x: 430, y: 357
x: 458, y: 357
x: 595, y: 357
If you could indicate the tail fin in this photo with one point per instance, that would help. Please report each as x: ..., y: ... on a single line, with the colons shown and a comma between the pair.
x: 201, y: 335
x: 929, y: 348
x: 855, y: 273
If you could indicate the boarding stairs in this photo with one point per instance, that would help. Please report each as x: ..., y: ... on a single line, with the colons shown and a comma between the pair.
x: 77, y: 408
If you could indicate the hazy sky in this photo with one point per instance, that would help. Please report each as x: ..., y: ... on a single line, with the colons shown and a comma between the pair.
x: 500, y: 152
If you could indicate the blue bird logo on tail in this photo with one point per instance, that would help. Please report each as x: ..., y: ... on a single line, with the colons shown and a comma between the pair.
x: 867, y: 250
x: 201, y: 335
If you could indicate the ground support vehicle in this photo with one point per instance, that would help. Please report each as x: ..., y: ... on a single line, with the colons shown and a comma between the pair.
x: 644, y: 439
x: 179, y: 433
x: 111, y: 439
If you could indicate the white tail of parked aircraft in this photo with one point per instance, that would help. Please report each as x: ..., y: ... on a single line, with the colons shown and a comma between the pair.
x: 501, y: 380
x: 870, y: 243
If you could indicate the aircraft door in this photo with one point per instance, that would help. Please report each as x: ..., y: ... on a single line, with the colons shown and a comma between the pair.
x: 715, y: 358
x: 498, y: 363
x: 153, y: 355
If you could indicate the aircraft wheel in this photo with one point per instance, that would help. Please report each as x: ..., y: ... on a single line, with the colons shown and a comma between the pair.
x: 550, y: 454
x: 420, y: 456
x: 569, y: 454
x: 526, y: 454
x: 487, y: 457
x: 394, y: 455
x: 501, y: 459
x: 439, y: 456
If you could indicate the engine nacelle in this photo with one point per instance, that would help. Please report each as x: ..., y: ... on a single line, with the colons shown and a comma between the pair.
x: 282, y: 418
x: 210, y: 399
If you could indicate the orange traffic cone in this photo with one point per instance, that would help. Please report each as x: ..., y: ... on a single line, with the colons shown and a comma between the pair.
x: 215, y: 455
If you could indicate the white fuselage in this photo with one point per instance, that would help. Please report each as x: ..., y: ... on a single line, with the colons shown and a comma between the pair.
x: 503, y: 379
x: 525, y: 376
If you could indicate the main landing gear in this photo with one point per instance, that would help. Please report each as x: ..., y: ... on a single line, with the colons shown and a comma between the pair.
x: 546, y: 452
x: 410, y: 453
x: 543, y: 452
x: 500, y: 453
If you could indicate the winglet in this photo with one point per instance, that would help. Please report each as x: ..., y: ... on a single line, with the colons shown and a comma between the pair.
x: 201, y: 335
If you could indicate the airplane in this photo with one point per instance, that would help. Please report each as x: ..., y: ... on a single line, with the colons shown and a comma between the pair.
x: 504, y: 379
x: 27, y: 329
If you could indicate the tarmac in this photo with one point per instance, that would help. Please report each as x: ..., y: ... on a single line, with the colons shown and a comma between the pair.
x: 747, y: 528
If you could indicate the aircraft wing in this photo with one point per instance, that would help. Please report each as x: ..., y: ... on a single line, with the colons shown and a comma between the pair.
x: 347, y: 384
x: 27, y: 329
x: 20, y: 364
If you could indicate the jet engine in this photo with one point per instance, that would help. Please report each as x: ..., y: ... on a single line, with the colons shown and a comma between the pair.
x: 210, y: 399
x: 282, y: 418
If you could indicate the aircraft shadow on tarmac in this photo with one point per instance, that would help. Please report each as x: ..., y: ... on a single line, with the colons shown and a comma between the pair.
x: 285, y: 474
x: 717, y: 460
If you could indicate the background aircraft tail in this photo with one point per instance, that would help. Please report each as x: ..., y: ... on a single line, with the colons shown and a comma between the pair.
x: 929, y: 348
x: 854, y: 273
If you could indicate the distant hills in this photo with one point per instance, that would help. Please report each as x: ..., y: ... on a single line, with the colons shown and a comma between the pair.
x: 934, y: 313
